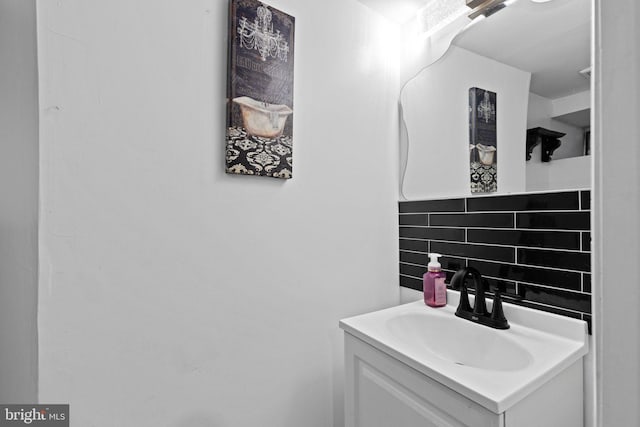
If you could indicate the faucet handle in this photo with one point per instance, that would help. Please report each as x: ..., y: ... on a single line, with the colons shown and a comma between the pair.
x: 497, y: 314
x: 480, y: 304
x: 458, y: 283
x: 464, y: 305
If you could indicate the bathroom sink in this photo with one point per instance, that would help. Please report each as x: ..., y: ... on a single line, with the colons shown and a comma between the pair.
x: 495, y: 368
x: 459, y: 341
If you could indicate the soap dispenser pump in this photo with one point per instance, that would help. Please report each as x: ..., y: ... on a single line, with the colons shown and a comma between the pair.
x: 435, y: 290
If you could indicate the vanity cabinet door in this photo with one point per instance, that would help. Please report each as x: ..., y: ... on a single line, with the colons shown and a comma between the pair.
x: 381, y: 392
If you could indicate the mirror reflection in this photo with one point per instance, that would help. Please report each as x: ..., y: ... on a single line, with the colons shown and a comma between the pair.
x: 536, y: 58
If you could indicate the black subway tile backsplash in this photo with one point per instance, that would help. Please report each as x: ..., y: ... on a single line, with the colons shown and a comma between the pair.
x: 586, y: 242
x: 526, y: 202
x: 528, y: 238
x: 411, y: 282
x: 555, y: 259
x: 554, y: 220
x: 564, y: 299
x: 494, y: 253
x: 414, y: 245
x: 412, y: 270
x: 586, y: 283
x: 420, y: 260
x: 414, y: 219
x: 490, y: 220
x: 543, y: 276
x: 508, y: 287
x: 412, y: 257
x: 547, y: 308
x: 444, y: 205
x: 433, y: 233
x: 452, y: 264
x: 537, y: 246
x: 585, y: 200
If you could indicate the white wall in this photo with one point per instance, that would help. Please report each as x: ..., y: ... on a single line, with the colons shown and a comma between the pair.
x: 18, y: 201
x: 435, y: 107
x: 540, y: 114
x: 574, y: 172
x: 568, y: 167
x: 616, y: 203
x: 173, y: 294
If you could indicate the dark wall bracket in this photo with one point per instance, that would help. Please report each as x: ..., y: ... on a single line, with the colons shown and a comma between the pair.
x: 550, y: 140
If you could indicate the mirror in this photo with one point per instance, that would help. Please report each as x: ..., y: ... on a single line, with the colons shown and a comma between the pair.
x: 536, y: 58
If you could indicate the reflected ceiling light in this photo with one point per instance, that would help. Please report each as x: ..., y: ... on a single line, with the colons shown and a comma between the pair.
x: 485, y: 7
x: 540, y: 1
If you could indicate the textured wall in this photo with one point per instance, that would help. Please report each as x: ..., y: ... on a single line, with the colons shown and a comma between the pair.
x: 173, y: 294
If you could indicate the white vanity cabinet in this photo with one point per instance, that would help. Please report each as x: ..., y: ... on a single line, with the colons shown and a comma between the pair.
x: 392, y: 381
x: 383, y: 392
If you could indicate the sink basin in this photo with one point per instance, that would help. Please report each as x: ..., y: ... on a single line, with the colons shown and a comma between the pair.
x: 459, y: 341
x: 494, y: 368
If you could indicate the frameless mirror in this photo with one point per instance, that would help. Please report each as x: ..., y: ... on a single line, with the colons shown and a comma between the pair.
x: 536, y: 58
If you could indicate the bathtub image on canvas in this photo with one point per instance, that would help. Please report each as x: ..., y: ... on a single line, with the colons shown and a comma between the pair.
x: 483, y: 145
x: 259, y: 138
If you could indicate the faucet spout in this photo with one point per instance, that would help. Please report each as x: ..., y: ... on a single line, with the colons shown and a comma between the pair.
x: 479, y: 314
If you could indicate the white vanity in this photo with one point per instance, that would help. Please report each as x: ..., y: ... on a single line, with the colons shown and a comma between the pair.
x: 413, y: 365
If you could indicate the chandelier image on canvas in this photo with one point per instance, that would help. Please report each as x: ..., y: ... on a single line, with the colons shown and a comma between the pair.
x: 486, y: 110
x: 259, y: 35
x: 259, y: 137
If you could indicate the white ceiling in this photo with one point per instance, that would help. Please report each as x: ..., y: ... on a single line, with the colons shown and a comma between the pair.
x: 399, y: 11
x: 551, y: 40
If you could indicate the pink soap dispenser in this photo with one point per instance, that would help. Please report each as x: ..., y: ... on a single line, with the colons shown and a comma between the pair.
x: 435, y: 290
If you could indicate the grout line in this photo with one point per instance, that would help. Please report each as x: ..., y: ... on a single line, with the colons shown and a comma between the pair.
x: 413, y: 264
x: 515, y: 263
x: 411, y: 277
x: 413, y: 252
x: 515, y: 300
x: 500, y: 245
x: 517, y: 282
x: 554, y: 287
x: 528, y: 265
x: 551, y: 306
x: 489, y: 228
x: 542, y: 211
x: 581, y: 242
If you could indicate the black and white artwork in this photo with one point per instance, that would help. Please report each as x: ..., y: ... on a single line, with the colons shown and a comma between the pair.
x: 260, y: 91
x: 483, y: 146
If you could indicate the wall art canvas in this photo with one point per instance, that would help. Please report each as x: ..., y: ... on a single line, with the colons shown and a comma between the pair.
x: 260, y: 90
x: 483, y: 146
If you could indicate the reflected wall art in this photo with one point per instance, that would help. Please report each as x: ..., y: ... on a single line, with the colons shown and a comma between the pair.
x: 483, y: 144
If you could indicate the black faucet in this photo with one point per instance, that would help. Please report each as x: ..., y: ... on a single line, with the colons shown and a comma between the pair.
x: 479, y: 314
